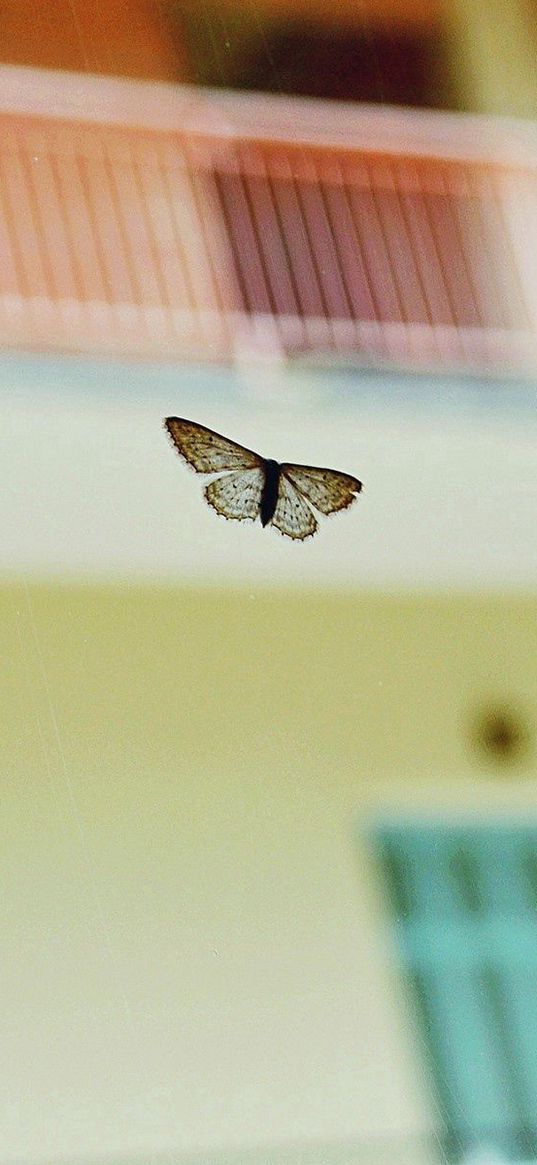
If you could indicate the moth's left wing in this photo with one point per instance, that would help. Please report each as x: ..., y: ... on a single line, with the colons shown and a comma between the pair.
x: 237, y: 495
x: 207, y: 451
x: 327, y: 489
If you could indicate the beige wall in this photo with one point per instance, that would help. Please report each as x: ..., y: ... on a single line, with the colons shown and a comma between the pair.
x: 194, y: 947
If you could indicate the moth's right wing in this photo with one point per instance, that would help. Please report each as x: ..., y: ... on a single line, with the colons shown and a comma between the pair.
x: 237, y: 495
x: 293, y: 516
x: 328, y: 490
x: 207, y: 451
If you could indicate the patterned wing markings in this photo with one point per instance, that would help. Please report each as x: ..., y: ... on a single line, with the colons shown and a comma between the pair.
x: 207, y: 451
x: 292, y: 515
x: 328, y: 490
x: 237, y: 495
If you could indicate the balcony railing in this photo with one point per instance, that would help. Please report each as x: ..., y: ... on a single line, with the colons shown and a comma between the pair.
x: 167, y: 221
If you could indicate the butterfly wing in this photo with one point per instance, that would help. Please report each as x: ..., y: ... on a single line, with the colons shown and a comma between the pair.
x: 292, y: 515
x: 237, y: 495
x: 207, y: 451
x: 328, y: 490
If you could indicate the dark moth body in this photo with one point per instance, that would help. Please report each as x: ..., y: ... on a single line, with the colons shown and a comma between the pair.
x: 269, y: 497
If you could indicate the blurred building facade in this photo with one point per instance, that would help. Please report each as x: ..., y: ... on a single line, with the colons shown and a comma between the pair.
x: 439, y: 54
x: 271, y: 861
x: 262, y: 907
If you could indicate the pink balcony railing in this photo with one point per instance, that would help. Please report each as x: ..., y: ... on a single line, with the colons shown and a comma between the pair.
x: 171, y: 222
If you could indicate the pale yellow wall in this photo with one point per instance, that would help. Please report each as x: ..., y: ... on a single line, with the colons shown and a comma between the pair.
x: 492, y: 55
x: 194, y: 948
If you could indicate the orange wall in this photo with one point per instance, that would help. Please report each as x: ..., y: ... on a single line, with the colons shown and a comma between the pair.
x: 128, y: 38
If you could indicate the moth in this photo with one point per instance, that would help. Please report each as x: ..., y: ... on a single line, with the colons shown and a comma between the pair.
x: 251, y: 486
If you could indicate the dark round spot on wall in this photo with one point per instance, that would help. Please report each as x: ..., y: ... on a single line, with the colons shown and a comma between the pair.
x: 500, y: 734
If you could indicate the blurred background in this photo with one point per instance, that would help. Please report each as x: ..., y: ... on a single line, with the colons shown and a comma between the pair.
x: 269, y: 858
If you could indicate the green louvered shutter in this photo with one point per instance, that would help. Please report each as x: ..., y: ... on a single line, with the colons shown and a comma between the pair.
x: 464, y: 901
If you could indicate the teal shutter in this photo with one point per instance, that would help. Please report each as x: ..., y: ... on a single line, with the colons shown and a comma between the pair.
x: 464, y: 902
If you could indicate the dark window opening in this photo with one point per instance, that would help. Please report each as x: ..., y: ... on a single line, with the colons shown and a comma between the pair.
x: 302, y: 60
